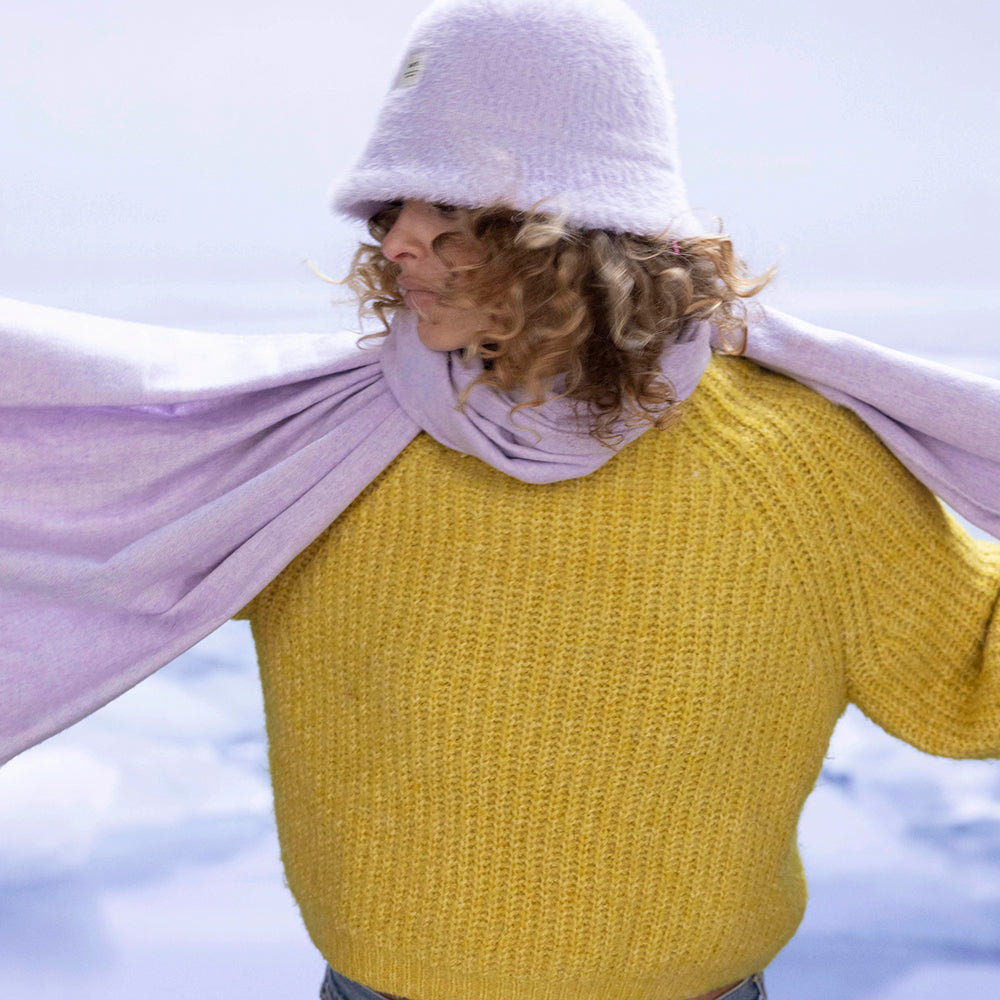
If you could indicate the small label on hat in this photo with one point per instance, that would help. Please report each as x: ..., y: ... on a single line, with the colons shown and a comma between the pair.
x: 413, y: 70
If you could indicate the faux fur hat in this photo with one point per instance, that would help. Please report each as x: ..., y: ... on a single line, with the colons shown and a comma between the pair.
x: 560, y: 102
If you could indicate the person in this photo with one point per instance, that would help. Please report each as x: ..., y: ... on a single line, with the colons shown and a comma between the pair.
x: 542, y: 725
x: 554, y: 742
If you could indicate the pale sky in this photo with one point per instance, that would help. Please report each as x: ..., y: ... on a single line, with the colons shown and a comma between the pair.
x: 856, y: 141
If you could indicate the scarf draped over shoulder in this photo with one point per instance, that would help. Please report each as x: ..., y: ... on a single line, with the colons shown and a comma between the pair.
x: 155, y: 480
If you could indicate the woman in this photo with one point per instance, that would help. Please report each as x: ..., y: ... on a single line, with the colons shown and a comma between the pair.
x: 554, y: 740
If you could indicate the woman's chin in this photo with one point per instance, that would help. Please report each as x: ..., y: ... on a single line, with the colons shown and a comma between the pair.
x: 439, y: 337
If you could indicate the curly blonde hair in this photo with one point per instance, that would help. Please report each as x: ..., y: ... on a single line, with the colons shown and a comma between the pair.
x: 591, y: 308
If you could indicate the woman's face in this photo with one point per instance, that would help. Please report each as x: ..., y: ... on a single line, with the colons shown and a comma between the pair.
x: 424, y: 276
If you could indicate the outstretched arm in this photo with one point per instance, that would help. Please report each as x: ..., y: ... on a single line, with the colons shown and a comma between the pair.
x: 924, y: 626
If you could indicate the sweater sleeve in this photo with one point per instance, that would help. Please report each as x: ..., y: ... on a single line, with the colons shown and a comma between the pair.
x: 923, y: 629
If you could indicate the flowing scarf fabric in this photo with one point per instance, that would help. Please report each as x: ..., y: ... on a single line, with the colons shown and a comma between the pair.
x: 154, y: 480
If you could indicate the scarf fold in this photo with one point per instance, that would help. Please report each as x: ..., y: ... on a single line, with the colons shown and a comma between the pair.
x: 535, y: 444
x: 155, y: 480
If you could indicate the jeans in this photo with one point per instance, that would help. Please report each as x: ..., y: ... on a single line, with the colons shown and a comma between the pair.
x: 338, y: 987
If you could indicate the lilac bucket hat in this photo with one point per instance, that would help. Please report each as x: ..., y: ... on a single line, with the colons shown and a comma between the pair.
x: 563, y: 104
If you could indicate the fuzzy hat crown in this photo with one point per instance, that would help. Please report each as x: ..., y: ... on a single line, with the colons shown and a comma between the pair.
x: 560, y: 102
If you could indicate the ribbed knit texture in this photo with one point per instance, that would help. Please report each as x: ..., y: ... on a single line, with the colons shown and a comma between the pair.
x: 552, y: 742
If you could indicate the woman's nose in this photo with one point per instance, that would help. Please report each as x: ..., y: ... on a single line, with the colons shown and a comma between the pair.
x: 406, y: 237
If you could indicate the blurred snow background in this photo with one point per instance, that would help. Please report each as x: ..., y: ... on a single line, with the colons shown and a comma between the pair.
x: 168, y: 162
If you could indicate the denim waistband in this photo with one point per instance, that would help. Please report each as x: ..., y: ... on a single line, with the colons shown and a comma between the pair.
x: 338, y: 987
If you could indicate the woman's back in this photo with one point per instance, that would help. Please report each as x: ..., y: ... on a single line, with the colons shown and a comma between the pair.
x: 569, y: 729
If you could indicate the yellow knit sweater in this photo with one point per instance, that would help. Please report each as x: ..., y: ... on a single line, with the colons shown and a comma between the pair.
x: 552, y: 742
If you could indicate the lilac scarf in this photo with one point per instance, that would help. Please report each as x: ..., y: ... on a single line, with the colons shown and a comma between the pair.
x: 155, y: 480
